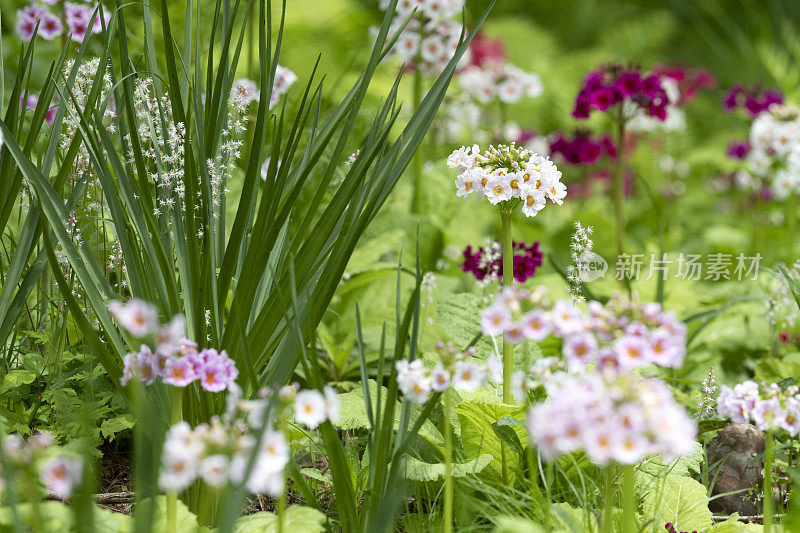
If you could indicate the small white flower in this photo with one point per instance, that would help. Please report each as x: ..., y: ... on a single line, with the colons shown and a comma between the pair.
x: 495, y: 319
x: 178, y: 470
x: 309, y: 408
x: 137, y: 316
x: 440, y: 378
x: 331, y: 404
x: 61, y: 474
x: 467, y: 376
x: 214, y: 470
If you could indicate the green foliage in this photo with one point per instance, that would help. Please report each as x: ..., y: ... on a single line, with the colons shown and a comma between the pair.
x: 297, y: 518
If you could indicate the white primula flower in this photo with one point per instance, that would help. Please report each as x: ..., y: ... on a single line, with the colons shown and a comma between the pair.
x: 331, y: 404
x: 61, y: 474
x: 137, y: 316
x: 178, y: 469
x: 467, y: 376
x: 440, y: 378
x: 214, y: 470
x: 309, y: 408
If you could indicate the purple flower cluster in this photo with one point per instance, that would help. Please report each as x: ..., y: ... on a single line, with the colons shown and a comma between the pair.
x: 582, y: 149
x: 622, y: 418
x: 619, y: 335
x: 78, y: 17
x: 739, y: 149
x: 486, y: 264
x: 754, y: 100
x: 768, y: 406
x: 180, y: 365
x: 616, y: 84
x: 32, y: 101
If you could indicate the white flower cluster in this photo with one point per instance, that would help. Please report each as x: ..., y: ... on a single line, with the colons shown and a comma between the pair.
x: 622, y: 418
x: 59, y: 472
x: 508, y: 174
x: 580, y: 248
x: 163, y: 143
x: 416, y: 381
x: 770, y: 407
x: 706, y: 396
x: 499, y: 81
x: 220, y: 451
x: 774, y: 158
x: 617, y: 336
x: 430, y: 39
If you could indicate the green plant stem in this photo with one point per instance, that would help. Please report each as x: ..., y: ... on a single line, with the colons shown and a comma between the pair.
x: 618, y: 188
x: 608, y: 496
x: 508, y: 348
x: 176, y: 395
x: 417, y: 196
x: 447, y: 520
x: 628, y: 499
x: 769, y: 457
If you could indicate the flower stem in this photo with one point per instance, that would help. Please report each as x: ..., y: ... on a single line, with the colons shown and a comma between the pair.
x: 447, y: 520
x: 176, y: 395
x: 619, y: 185
x: 769, y: 457
x: 508, y: 348
x: 628, y: 500
x: 608, y: 495
x: 416, y: 161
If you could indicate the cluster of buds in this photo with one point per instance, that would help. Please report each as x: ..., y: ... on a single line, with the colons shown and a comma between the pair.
x: 176, y: 359
x: 486, y: 263
x: 58, y: 472
x: 619, y: 335
x: 770, y: 407
x: 508, y: 175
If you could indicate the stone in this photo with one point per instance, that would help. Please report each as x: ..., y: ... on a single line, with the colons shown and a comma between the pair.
x: 738, y: 447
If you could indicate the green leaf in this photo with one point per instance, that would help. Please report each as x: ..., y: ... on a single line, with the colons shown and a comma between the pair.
x: 651, y: 471
x: 416, y: 470
x: 680, y: 500
x: 17, y: 378
x: 478, y: 435
x: 313, y: 473
x: 112, y: 426
x: 186, y: 520
x: 353, y: 413
x: 514, y: 524
x: 297, y: 519
x: 732, y: 525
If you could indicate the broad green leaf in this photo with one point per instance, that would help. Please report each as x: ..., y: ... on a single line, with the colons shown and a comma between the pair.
x: 112, y: 426
x: 679, y: 500
x: 514, y: 524
x: 297, y: 519
x: 353, y: 413
x: 478, y: 436
x: 651, y: 471
x: 17, y: 378
x: 416, y: 470
x: 186, y: 520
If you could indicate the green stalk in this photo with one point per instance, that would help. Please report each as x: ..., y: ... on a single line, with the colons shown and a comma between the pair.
x: 628, y: 500
x: 508, y: 348
x: 417, y: 196
x: 608, y: 495
x: 618, y: 187
x: 176, y: 395
x: 448, y: 467
x: 769, y: 457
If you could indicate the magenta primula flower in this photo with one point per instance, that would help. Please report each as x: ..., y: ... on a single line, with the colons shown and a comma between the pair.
x: 616, y: 84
